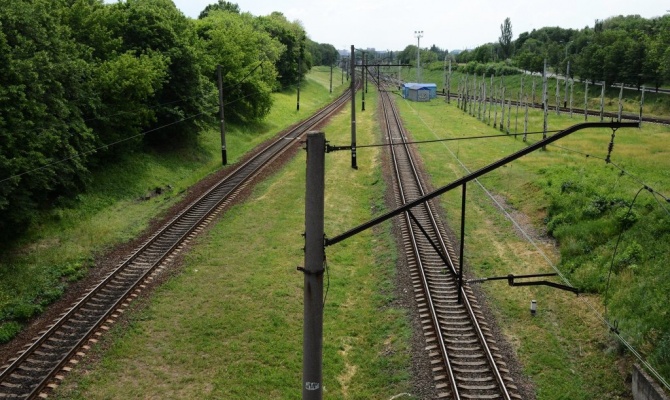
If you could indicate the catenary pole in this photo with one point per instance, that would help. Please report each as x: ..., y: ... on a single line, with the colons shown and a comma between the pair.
x: 312, y: 359
x: 353, y: 108
x: 364, y: 77
x: 224, y: 151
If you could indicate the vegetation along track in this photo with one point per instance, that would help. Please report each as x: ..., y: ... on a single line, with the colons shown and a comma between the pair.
x: 38, y: 368
x: 466, y: 364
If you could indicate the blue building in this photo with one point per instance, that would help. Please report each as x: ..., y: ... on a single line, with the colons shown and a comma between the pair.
x: 419, y: 91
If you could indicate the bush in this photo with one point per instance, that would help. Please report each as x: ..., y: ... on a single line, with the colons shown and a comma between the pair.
x: 626, y: 219
x: 8, y: 330
x: 488, y: 69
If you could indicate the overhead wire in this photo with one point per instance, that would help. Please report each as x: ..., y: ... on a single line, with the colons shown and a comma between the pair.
x: 452, y: 139
x: 593, y: 309
x: 81, y: 154
x: 623, y: 172
x: 616, y: 248
x: 103, y: 146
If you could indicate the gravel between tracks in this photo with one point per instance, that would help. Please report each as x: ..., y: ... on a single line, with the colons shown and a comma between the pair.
x: 422, y: 377
x: 424, y: 386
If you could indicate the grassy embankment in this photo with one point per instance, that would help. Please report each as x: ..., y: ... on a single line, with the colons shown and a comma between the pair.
x: 230, y: 326
x: 655, y: 104
x: 565, y: 349
x: 62, y: 245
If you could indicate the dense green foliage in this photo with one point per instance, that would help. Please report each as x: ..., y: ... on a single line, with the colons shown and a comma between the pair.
x: 323, y: 53
x: 427, y: 56
x: 45, y: 82
x: 592, y: 216
x: 628, y: 49
x: 83, y: 82
x: 65, y: 243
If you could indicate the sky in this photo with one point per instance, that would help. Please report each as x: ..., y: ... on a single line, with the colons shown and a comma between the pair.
x: 448, y: 24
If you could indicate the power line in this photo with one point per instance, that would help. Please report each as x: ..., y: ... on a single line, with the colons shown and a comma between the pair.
x: 130, y: 137
x: 593, y: 309
x: 455, y: 139
x: 155, y: 106
x: 99, y: 148
x: 623, y: 172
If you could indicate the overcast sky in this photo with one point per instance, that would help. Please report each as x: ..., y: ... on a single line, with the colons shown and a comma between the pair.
x: 450, y: 24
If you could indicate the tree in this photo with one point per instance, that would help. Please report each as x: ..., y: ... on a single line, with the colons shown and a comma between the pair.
x: 483, y: 54
x: 323, y: 53
x: 44, y: 84
x: 505, y: 39
x: 247, y: 57
x: 157, y: 27
x: 125, y: 80
x: 292, y: 36
x: 221, y: 6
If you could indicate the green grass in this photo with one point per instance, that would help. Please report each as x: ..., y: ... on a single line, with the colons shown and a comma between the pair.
x: 230, y: 326
x: 62, y: 245
x: 565, y: 350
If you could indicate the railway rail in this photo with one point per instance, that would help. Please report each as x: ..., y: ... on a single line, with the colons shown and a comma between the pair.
x: 465, y: 360
x: 38, y: 368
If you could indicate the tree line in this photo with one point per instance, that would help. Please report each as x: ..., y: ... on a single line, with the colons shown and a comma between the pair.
x: 83, y: 82
x: 628, y: 49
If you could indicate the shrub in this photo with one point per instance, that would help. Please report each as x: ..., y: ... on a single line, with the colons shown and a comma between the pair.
x: 626, y: 219
x: 8, y: 330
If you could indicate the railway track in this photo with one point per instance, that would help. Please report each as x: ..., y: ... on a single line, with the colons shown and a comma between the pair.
x: 465, y: 361
x: 38, y: 368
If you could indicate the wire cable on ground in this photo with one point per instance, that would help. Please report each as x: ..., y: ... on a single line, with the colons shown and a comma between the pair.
x: 593, y: 309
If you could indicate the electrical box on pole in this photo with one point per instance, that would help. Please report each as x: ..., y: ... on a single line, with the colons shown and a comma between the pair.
x: 312, y: 360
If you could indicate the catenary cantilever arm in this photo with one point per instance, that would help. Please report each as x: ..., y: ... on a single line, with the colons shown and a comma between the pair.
x: 476, y: 174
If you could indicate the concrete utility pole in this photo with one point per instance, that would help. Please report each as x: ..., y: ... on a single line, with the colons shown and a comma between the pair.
x: 364, y: 77
x: 558, y: 95
x: 312, y: 359
x: 545, y: 100
x: 641, y: 105
x: 502, y: 110
x: 586, y: 100
x: 449, y: 84
x: 353, y: 108
x: 418, y: 35
x: 224, y: 151
x: 602, y: 102
x: 620, y: 103
x: 444, y: 75
x: 297, y: 107
x: 365, y: 71
x: 491, y: 96
x: 331, y: 78
x: 567, y: 76
x: 525, y: 121
x: 572, y: 89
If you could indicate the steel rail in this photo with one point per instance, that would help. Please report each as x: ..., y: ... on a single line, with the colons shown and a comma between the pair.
x: 500, y: 382
x: 408, y: 222
x: 205, y: 205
